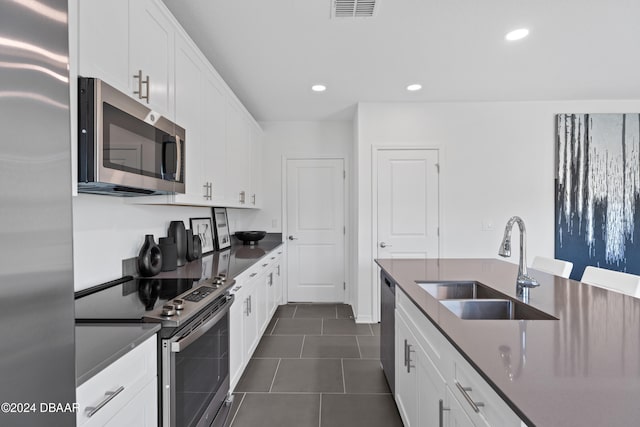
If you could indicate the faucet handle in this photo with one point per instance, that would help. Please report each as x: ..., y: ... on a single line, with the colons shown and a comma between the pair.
x: 527, y: 281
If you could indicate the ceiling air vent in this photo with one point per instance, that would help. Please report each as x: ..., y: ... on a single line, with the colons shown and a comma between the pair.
x: 353, y: 8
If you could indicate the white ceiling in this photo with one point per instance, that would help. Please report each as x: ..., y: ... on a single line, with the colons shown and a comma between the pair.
x: 271, y: 51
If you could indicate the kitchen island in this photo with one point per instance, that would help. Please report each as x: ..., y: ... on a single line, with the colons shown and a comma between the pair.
x: 582, y: 369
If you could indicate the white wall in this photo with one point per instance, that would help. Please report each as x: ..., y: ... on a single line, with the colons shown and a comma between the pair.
x: 108, y: 229
x: 497, y: 160
x: 283, y: 140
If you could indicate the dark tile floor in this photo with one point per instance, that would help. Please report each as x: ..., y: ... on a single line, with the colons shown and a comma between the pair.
x: 315, y: 367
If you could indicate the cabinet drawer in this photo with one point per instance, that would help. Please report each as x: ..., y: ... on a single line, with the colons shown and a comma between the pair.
x: 117, y: 384
x: 468, y: 386
x: 433, y: 342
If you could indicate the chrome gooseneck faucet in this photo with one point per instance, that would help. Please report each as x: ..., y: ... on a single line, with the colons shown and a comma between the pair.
x: 524, y: 281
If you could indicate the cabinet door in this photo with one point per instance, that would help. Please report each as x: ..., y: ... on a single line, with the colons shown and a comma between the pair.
x: 103, y: 45
x: 239, y: 156
x: 262, y: 300
x: 151, y: 47
x: 406, y: 380
x: 250, y: 321
x: 188, y: 101
x: 256, y: 167
x: 214, y: 146
x: 432, y: 387
x: 236, y: 336
x: 141, y: 411
x: 454, y: 414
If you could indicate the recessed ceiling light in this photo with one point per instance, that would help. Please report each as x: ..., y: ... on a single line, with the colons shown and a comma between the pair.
x: 318, y: 88
x: 414, y: 87
x: 518, y: 34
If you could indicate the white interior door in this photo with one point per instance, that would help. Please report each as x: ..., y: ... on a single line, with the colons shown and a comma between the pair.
x: 407, y: 203
x: 315, y: 230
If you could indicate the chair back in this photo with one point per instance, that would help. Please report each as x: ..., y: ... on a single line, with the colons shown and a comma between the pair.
x: 553, y: 266
x: 617, y: 281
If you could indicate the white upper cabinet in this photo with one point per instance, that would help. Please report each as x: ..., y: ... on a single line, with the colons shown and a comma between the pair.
x: 188, y: 100
x: 138, y: 47
x: 103, y: 41
x: 256, y: 167
x: 214, y: 147
x: 151, y: 49
x: 239, y: 156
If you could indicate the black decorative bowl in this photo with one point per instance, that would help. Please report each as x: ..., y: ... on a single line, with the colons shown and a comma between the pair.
x: 250, y: 237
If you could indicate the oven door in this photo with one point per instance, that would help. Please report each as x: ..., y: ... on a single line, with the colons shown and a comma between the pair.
x: 195, y: 369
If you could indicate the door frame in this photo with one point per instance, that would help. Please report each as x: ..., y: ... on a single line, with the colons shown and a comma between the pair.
x: 346, y: 296
x: 375, y: 270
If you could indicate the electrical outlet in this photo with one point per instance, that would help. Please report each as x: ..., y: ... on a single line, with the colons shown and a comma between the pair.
x: 487, y: 225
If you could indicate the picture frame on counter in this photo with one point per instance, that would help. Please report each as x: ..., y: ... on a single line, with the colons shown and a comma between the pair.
x: 203, y: 228
x: 221, y: 221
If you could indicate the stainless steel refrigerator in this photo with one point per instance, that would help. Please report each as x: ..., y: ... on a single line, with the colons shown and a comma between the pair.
x: 37, y: 357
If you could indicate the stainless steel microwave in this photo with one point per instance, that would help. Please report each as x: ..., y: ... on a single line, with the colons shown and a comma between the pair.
x: 124, y: 148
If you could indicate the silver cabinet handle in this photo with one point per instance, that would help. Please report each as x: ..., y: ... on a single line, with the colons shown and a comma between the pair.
x: 293, y: 238
x: 270, y: 279
x: 109, y: 395
x: 441, y: 410
x: 206, y: 190
x: 250, y: 304
x: 148, y: 83
x: 265, y: 264
x: 253, y: 274
x: 179, y: 158
x: 465, y: 392
x: 253, y: 199
x: 140, y: 83
x: 278, y: 270
x: 242, y: 197
x: 384, y: 245
x: 246, y: 303
x: 405, y: 352
x: 409, y: 351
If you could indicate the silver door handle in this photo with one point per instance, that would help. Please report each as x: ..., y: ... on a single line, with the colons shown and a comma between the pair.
x: 293, y: 238
x: 384, y: 245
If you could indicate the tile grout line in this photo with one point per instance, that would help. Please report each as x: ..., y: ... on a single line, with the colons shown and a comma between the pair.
x: 321, y: 326
x: 302, y: 347
x: 238, y: 409
x: 344, y: 383
x: 358, y: 344
x: 320, y: 412
x: 370, y: 328
x: 274, y: 326
x: 274, y: 375
x: 295, y: 310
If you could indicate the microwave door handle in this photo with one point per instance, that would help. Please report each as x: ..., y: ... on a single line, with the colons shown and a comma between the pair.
x: 178, y: 346
x: 178, y: 158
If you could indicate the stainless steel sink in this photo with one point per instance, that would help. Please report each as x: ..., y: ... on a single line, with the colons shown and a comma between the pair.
x: 493, y: 309
x: 459, y: 290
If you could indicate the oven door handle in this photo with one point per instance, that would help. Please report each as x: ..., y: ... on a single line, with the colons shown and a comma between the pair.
x: 178, y: 346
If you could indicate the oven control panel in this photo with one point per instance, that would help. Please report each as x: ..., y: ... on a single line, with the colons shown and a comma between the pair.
x: 188, y: 304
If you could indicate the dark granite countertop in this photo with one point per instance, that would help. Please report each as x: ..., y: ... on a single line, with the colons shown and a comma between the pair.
x: 98, y: 346
x: 580, y: 370
x: 231, y: 262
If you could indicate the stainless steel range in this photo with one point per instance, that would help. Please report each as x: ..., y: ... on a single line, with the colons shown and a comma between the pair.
x: 193, y: 345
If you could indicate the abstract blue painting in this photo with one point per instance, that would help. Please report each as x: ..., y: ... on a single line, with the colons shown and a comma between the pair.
x: 597, y: 208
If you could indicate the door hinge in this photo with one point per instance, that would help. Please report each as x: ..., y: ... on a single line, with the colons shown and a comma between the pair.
x: 438, y: 231
x: 344, y: 230
x: 438, y: 167
x: 344, y: 174
x: 344, y: 286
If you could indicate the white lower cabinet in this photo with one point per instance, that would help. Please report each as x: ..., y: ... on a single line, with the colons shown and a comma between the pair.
x: 435, y: 385
x: 124, y: 393
x: 254, y: 305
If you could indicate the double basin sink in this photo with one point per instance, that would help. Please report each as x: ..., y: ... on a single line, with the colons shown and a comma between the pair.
x: 472, y: 300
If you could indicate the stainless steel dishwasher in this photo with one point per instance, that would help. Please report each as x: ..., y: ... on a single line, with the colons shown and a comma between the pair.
x: 387, y: 329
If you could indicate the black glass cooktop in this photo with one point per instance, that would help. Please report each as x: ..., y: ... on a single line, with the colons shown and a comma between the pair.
x: 128, y: 299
